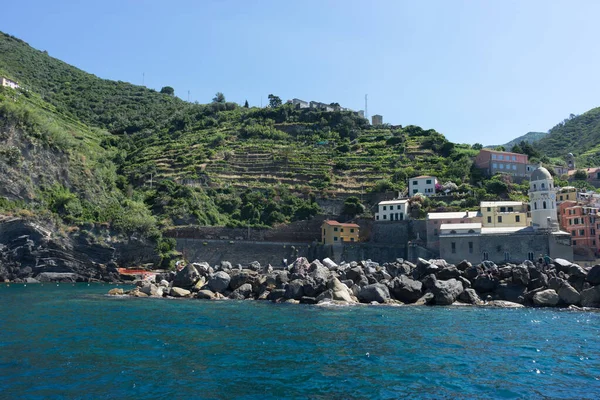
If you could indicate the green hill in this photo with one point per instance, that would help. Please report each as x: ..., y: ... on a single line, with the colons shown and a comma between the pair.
x: 139, y: 160
x: 529, y: 137
x: 578, y: 134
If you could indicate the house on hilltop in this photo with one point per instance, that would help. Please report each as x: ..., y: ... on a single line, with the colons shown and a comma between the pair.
x: 494, y: 161
x: 9, y: 83
x: 423, y: 184
x: 392, y: 210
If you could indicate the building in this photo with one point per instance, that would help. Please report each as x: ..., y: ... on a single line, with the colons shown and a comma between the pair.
x: 333, y: 232
x: 300, y: 103
x: 513, y: 164
x: 377, y: 120
x: 567, y: 193
x: 503, y: 214
x: 570, y: 161
x: 592, y: 175
x: 392, y: 210
x: 422, y: 184
x: 581, y: 221
x: 435, y: 221
x: 511, y: 243
x: 9, y: 83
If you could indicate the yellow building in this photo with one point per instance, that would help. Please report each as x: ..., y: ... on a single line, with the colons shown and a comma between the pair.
x: 568, y: 193
x: 333, y: 232
x: 500, y: 214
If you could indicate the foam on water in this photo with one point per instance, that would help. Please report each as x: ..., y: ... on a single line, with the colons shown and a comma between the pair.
x: 75, y: 342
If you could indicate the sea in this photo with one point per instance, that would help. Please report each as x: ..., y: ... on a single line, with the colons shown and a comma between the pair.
x: 73, y: 341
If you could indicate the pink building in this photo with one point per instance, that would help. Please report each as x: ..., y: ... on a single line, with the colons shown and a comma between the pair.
x: 513, y: 164
x: 580, y: 220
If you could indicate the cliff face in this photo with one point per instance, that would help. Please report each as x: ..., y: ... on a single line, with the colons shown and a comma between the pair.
x: 31, y: 250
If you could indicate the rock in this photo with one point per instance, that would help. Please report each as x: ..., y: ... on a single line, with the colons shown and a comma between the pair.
x: 300, y: 267
x: 556, y: 283
x: 546, y: 298
x: 568, y: 294
x: 276, y: 294
x: 325, y: 296
x: 137, y: 293
x: 268, y: 269
x: 199, y: 284
x: 505, y: 272
x: 319, y: 273
x: 254, y: 266
x: 116, y: 292
x: 164, y: 283
x: 425, y: 299
x: 327, y: 262
x: 238, y: 278
x: 376, y: 292
x: 470, y: 296
x: 397, y: 269
x: 472, y: 272
x: 593, y: 275
x: 226, y: 265
x: 484, y: 283
x: 465, y: 282
x: 312, y: 288
x: 503, y: 304
x: 308, y: 300
x: 150, y: 289
x: 429, y: 281
x: 340, y: 292
x: 463, y: 265
x: 540, y: 282
x: 203, y: 268
x: 31, y: 280
x: 242, y: 292
x: 205, y: 294
x: 512, y: 292
x: 355, y: 273
x: 520, y: 275
x: 186, y: 277
x: 562, y: 264
x: 405, y: 289
x: 179, y: 292
x: 295, y: 289
x: 577, y: 272
x: 591, y: 297
x: 219, y: 282
x: 449, y: 272
x: 446, y: 292
x: 58, y: 277
x: 264, y: 295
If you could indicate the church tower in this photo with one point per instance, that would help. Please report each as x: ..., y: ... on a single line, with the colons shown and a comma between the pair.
x: 542, y: 199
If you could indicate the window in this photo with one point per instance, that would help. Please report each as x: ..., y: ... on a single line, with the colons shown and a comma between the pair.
x: 494, y: 165
x: 324, y: 232
x: 534, y: 186
x: 435, y: 233
x: 342, y: 230
x: 453, y: 247
x: 429, y: 181
x: 470, y: 247
x: 352, y: 239
x: 415, y: 191
x: 543, y: 186
x: 494, y: 156
x: 506, y: 256
x: 485, y: 256
x: 401, y: 216
x: 592, y: 231
x: 514, y: 158
x: 530, y: 256
x: 384, y: 208
x: 581, y: 232
x: 415, y: 182
x: 502, y: 209
x: 544, y: 205
x: 499, y: 219
x: 574, y: 242
x: 561, y: 197
x: 501, y: 166
x: 351, y: 230
x: 535, y: 205
x: 489, y: 209
x: 517, y: 218
x: 489, y: 220
x: 335, y: 238
x: 574, y: 233
x: 335, y: 229
x: 453, y: 231
x: 384, y: 216
x: 510, y: 209
x: 377, y: 217
x: 500, y: 157
x: 514, y: 167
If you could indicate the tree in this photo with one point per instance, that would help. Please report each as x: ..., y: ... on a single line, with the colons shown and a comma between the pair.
x: 580, y: 175
x: 219, y: 98
x: 168, y: 90
x: 500, y: 148
x: 246, y: 104
x: 477, y: 146
x: 274, y: 101
x: 352, y: 206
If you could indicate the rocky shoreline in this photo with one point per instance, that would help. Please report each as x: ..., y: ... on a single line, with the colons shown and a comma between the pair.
x: 558, y: 283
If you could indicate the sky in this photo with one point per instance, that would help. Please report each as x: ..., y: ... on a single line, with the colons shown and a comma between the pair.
x: 476, y: 71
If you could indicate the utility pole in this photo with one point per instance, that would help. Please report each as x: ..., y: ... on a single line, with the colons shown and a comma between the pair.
x: 143, y: 78
x: 366, y: 107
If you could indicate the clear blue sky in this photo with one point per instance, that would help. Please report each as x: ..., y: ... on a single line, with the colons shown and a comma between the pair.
x: 476, y: 71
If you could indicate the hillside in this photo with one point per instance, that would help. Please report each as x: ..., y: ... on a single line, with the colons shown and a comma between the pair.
x: 578, y: 134
x: 529, y: 137
x: 88, y: 150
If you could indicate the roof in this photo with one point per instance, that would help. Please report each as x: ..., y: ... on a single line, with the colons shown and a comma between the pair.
x: 540, y: 174
x: 452, y: 215
x: 472, y: 225
x: 587, y: 170
x: 423, y: 176
x: 335, y: 223
x: 502, y: 152
x: 506, y: 229
x: 392, y: 202
x: 500, y: 203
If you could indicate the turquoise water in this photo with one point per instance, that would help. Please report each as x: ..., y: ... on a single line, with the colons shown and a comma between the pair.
x: 74, y: 342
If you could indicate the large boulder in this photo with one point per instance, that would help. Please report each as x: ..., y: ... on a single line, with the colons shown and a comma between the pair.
x: 376, y: 292
x: 179, y: 292
x: 424, y: 268
x: 242, y: 292
x: 568, y: 294
x: 355, y: 273
x: 484, y: 283
x: 294, y: 289
x: 511, y: 292
x: 238, y: 278
x: 446, y: 292
x: 339, y: 291
x: 205, y: 294
x: 593, y: 275
x: 186, y: 277
x: 577, y: 271
x: 561, y: 264
x: 520, y: 275
x: 300, y: 267
x: 546, y: 298
x: 219, y: 282
x: 327, y: 262
x: 449, y: 272
x: 470, y: 296
x: 591, y: 297
x: 255, y: 266
x: 405, y: 289
x: 203, y: 268
x: 463, y: 265
x: 150, y: 289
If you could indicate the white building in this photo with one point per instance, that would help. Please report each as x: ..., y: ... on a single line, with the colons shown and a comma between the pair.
x: 9, y: 83
x: 300, y: 103
x: 422, y: 184
x: 392, y: 210
x: 542, y: 198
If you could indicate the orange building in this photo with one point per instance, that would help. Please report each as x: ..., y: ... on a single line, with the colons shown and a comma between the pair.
x: 581, y: 222
x: 333, y: 232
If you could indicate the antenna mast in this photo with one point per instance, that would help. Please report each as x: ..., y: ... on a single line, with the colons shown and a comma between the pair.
x: 366, y: 108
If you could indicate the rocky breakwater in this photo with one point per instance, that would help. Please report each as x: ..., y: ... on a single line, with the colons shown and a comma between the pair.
x: 434, y: 282
x: 32, y: 252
